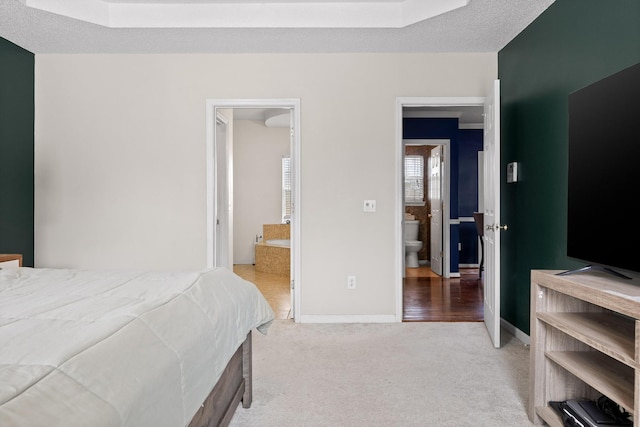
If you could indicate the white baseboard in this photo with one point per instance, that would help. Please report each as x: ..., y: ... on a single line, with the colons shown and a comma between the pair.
x: 526, y: 339
x: 311, y: 318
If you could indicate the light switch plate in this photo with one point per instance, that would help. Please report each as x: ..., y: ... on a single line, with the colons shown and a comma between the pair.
x: 369, y: 205
x: 512, y: 172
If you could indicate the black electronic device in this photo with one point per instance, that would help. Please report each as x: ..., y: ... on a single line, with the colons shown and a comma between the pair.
x: 604, y: 172
x: 588, y: 413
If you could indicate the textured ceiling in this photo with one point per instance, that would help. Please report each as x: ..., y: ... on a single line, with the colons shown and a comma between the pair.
x: 481, y: 26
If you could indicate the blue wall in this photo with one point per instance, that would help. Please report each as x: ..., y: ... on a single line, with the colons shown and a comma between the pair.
x: 470, y: 142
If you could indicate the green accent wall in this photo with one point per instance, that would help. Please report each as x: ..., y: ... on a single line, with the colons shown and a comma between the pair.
x: 16, y: 151
x: 572, y: 44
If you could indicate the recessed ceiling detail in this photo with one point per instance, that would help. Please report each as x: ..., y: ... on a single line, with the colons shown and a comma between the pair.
x: 248, y: 13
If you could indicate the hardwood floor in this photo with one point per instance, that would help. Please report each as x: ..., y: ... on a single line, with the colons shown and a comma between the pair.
x: 427, y: 297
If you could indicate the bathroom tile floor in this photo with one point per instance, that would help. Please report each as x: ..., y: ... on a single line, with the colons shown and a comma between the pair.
x: 274, y: 287
x: 427, y: 297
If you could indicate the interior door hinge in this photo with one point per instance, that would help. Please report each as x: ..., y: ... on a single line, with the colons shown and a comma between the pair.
x: 292, y: 285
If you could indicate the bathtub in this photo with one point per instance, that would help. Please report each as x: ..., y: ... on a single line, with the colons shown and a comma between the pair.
x: 273, y: 256
x: 285, y: 243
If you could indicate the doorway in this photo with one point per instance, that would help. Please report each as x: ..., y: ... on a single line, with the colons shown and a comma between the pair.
x: 454, y: 107
x: 431, y: 207
x: 220, y: 200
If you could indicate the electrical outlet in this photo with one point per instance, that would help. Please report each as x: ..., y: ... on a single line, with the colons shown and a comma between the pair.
x: 351, y: 282
x: 369, y: 205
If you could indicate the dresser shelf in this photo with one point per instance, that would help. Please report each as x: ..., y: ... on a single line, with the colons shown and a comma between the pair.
x: 608, y: 332
x: 585, y: 338
x: 600, y: 372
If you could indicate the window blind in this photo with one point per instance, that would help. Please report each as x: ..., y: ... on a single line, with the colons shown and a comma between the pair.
x: 286, y: 189
x: 414, y: 178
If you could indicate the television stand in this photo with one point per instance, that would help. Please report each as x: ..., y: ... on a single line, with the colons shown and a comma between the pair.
x: 583, y: 342
x: 594, y: 267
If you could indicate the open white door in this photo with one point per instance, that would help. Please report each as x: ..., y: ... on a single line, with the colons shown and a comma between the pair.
x: 292, y: 240
x: 435, y: 201
x: 492, y: 213
x: 222, y: 257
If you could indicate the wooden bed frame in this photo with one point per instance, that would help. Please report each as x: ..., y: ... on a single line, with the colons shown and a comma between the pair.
x: 233, y: 387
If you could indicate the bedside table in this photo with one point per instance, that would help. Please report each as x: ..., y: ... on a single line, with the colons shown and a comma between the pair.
x: 10, y: 261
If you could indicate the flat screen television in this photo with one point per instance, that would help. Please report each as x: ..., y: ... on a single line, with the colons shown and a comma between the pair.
x: 603, y: 225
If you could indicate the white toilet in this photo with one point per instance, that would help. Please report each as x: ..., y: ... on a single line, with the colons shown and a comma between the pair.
x: 411, y: 243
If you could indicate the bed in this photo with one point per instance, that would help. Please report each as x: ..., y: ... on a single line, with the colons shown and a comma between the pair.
x: 126, y: 348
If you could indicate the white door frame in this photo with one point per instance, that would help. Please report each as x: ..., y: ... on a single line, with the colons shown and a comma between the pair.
x: 401, y: 103
x: 294, y: 105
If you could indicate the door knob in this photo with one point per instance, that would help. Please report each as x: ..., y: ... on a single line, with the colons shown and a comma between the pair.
x: 496, y: 227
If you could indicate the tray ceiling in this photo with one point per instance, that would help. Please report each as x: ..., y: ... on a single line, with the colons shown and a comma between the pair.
x: 301, y: 26
x: 249, y: 14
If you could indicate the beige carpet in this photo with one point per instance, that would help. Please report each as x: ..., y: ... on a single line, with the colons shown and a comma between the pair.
x: 404, y: 374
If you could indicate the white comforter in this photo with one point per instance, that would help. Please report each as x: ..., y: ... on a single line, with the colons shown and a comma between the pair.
x: 91, y: 349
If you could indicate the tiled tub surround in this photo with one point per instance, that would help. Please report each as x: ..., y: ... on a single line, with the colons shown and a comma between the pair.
x: 276, y: 231
x: 273, y: 258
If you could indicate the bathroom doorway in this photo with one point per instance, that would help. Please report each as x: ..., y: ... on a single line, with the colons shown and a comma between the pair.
x: 431, y: 209
x: 285, y: 111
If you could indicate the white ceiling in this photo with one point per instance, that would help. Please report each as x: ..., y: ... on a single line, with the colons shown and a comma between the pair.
x: 480, y: 26
x: 249, y: 13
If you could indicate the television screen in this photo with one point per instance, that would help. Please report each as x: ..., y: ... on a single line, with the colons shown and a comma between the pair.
x: 603, y: 227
